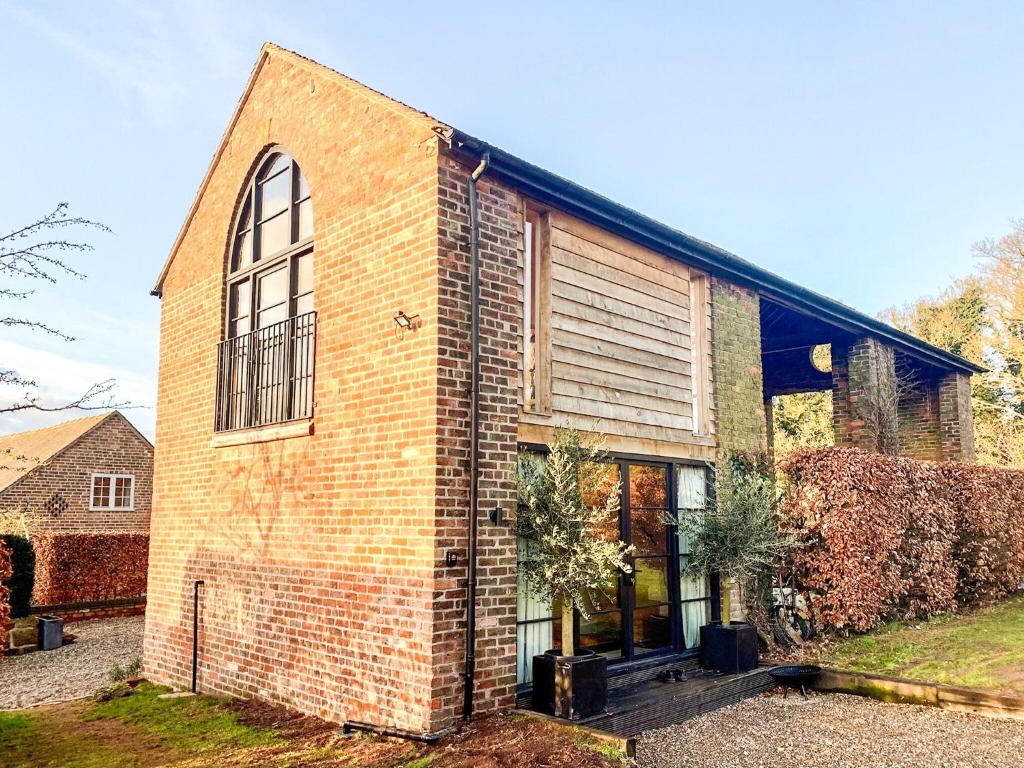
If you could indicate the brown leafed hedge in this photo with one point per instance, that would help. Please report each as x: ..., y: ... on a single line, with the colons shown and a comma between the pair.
x: 888, y: 537
x: 5, y: 594
x: 89, y: 567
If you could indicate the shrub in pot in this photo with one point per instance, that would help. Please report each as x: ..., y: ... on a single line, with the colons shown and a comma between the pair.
x: 565, y: 505
x: 736, y: 535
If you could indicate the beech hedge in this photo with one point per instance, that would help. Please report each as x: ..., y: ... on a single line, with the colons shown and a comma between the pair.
x: 5, y: 593
x: 73, y: 568
x: 894, y: 538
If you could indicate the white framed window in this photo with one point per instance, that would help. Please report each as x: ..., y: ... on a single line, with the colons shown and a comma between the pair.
x: 112, y: 493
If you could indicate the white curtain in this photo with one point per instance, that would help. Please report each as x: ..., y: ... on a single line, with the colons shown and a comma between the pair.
x: 533, y: 638
x: 691, y: 493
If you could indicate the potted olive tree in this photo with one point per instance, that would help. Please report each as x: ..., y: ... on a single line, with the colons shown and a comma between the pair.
x: 565, y: 502
x: 737, y: 536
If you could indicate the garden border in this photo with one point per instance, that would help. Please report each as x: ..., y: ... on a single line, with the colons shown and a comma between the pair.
x: 898, y: 690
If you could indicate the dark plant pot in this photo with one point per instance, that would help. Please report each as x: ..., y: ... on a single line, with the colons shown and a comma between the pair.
x: 728, y: 648
x: 571, y: 687
x: 51, y: 632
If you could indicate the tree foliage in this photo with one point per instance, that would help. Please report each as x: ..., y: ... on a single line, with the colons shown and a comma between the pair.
x: 737, y: 534
x: 982, y: 318
x: 567, y: 520
x: 802, y: 420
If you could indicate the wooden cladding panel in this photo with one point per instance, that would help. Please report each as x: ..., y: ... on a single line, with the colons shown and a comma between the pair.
x: 621, y: 338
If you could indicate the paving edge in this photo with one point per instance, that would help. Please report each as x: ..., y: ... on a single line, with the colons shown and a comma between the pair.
x: 906, y: 691
x: 625, y: 744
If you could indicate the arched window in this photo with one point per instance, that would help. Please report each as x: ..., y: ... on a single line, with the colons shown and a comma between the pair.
x: 265, y: 365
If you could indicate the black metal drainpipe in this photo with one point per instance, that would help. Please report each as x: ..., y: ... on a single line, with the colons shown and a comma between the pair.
x: 195, y: 631
x: 474, y: 432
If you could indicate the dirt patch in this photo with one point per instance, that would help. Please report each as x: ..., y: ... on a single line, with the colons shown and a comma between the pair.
x: 286, y: 722
x: 514, y: 741
x: 143, y: 731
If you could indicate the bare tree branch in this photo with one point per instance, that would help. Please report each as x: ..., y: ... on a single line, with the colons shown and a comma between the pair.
x: 98, y: 397
x: 38, y: 251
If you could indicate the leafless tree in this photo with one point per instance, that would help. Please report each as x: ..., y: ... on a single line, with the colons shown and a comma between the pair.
x: 41, y: 251
x: 880, y: 402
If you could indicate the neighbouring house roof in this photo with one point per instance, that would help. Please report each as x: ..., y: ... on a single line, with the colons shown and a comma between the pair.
x: 549, y: 188
x: 22, y: 452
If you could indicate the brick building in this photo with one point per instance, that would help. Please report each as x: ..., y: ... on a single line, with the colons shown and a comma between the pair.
x: 325, y: 428
x: 88, y: 475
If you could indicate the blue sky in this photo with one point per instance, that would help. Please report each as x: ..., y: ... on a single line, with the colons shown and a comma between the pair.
x: 858, y: 148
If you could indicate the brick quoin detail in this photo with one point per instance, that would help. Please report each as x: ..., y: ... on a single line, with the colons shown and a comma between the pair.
x: 500, y: 244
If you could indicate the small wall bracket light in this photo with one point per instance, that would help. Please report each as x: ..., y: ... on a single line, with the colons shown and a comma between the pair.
x: 451, y: 558
x: 497, y: 515
x: 406, y: 322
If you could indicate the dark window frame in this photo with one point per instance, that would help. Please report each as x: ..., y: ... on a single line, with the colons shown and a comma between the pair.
x: 712, y: 599
x: 265, y: 364
x: 250, y: 220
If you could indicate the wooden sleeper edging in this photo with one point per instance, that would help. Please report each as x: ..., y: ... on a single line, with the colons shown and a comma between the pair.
x: 906, y: 691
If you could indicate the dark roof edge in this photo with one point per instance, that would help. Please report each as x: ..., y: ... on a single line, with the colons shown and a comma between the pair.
x: 549, y: 188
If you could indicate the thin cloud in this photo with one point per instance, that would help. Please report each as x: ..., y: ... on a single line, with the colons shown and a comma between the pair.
x: 148, y: 70
x: 62, y: 378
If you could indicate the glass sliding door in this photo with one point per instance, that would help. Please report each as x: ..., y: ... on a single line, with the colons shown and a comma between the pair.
x: 655, y: 609
x: 603, y: 632
x: 648, y: 597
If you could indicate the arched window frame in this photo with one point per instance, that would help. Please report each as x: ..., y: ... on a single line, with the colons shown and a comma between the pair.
x: 249, y: 263
x: 265, y: 362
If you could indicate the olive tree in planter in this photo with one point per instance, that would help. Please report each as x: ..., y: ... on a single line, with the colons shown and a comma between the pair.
x: 565, y: 502
x: 736, y: 535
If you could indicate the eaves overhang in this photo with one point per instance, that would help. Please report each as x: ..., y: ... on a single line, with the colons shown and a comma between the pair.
x: 552, y: 189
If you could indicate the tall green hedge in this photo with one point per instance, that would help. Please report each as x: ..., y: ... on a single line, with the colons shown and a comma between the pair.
x: 23, y: 563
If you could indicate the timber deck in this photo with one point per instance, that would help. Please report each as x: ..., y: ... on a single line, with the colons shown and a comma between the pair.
x: 638, y: 701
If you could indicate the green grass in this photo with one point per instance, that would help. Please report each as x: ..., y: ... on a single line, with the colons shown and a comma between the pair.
x: 16, y: 727
x: 983, y: 650
x: 193, y: 724
x: 141, y: 730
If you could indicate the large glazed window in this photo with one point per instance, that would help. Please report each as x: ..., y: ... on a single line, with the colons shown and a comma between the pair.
x: 656, y: 609
x: 265, y: 363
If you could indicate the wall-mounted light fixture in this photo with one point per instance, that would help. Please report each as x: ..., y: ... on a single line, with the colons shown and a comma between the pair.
x: 497, y: 515
x: 406, y: 322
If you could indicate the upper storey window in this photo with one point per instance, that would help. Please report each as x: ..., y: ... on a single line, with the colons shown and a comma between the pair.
x: 265, y: 365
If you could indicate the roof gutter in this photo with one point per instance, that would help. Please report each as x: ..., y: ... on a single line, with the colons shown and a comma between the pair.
x: 549, y: 188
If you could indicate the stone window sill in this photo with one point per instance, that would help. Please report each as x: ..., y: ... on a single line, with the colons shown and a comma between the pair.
x: 266, y: 434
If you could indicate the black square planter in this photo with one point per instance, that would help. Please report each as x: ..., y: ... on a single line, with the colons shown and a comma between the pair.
x: 572, y: 687
x: 730, y: 649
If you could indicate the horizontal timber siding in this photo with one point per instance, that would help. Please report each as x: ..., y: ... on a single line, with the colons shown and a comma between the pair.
x: 621, y: 344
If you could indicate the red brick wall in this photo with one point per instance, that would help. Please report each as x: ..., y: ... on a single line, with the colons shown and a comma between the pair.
x: 319, y: 552
x: 920, y: 435
x: 113, y: 446
x: 956, y: 417
x: 500, y: 243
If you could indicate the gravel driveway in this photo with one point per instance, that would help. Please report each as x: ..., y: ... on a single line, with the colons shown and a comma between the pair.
x: 74, y: 671
x: 833, y: 731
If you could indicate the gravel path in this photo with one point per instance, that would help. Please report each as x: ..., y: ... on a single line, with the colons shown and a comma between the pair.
x: 833, y: 731
x: 74, y: 671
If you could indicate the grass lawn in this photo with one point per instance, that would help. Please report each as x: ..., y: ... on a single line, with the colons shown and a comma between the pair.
x: 983, y: 650
x: 142, y: 731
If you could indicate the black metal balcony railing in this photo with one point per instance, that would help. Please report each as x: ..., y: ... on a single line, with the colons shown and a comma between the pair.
x: 266, y: 376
